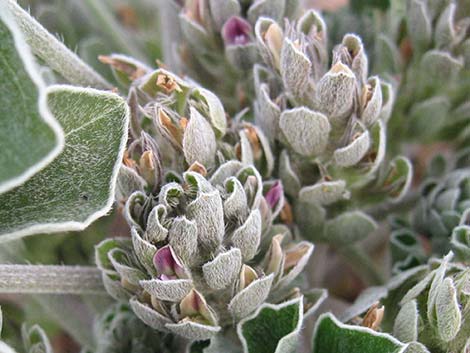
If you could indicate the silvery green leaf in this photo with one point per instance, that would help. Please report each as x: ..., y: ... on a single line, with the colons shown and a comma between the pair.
x: 133, y: 209
x: 265, y: 163
x: 418, y: 288
x: 194, y: 33
x: 439, y: 66
x: 388, y: 99
x: 268, y: 8
x: 35, y: 340
x: 251, y: 297
x: 168, y: 290
x: 182, y: 237
x: 149, y: 316
x: 236, y: 204
x: 144, y: 251
x: 335, y: 93
x: 193, y: 331
x: 208, y: 213
x: 225, y: 171
x: 290, y: 180
x: 253, y: 185
x: 436, y: 282
x: 310, y: 19
x: 199, y: 144
x: 122, y: 266
x: 223, y: 270
x: 405, y: 327
x: 373, y: 106
x: 198, y: 182
x: 447, y: 200
x: 324, y: 192
x: 427, y: 117
x: 363, y: 302
x: 415, y: 347
x: 169, y: 194
x: 103, y: 248
x: 349, y: 227
x: 419, y: 24
x: 247, y: 157
x: 398, y: 178
x: 331, y: 336
x: 4, y: 348
x: 114, y: 288
x: 387, y: 56
x: 214, y: 109
x: 248, y: 236
x: 282, y: 333
x: 305, y: 130
x: 242, y: 57
x: 222, y: 10
x: 304, y: 250
x: 295, y: 70
x: 155, y: 231
x: 30, y: 135
x: 268, y: 43
x: 448, y: 316
x: 460, y: 242
x: 268, y: 113
x: 128, y: 181
x: 359, y: 62
x: 311, y: 220
x: 79, y: 187
x: 353, y: 153
x: 444, y: 34
x: 313, y: 299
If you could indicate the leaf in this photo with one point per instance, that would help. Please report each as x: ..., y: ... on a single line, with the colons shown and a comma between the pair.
x: 272, y: 328
x: 306, y: 131
x: 30, y: 137
x: 78, y: 187
x: 331, y: 336
x: 349, y: 227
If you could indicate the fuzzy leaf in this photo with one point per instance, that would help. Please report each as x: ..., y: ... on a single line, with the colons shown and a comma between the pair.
x: 223, y: 270
x: 199, y: 144
x: 349, y: 227
x: 272, y: 328
x: 352, y: 154
x: 305, y: 130
x: 405, y: 327
x: 248, y: 236
x: 448, y: 313
x: 30, y: 137
x: 250, y: 297
x: 79, y: 185
x: 331, y: 336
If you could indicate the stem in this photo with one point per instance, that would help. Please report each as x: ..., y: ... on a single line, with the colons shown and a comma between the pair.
x: 363, y: 265
x: 382, y: 210
x: 71, y: 313
x: 53, y: 52
x: 112, y: 29
x: 51, y: 279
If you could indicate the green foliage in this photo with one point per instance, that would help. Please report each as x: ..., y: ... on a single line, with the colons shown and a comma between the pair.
x: 334, y: 337
x: 78, y: 185
x: 30, y: 137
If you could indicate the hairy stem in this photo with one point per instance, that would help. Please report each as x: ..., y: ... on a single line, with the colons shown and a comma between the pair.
x: 363, y: 265
x: 50, y: 279
x: 53, y: 52
x: 109, y: 26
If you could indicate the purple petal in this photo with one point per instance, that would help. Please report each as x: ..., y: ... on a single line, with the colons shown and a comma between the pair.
x: 236, y: 31
x: 167, y: 264
x: 274, y: 194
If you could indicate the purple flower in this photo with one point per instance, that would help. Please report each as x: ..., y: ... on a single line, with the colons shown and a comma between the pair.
x: 168, y: 265
x: 236, y: 31
x: 274, y: 194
